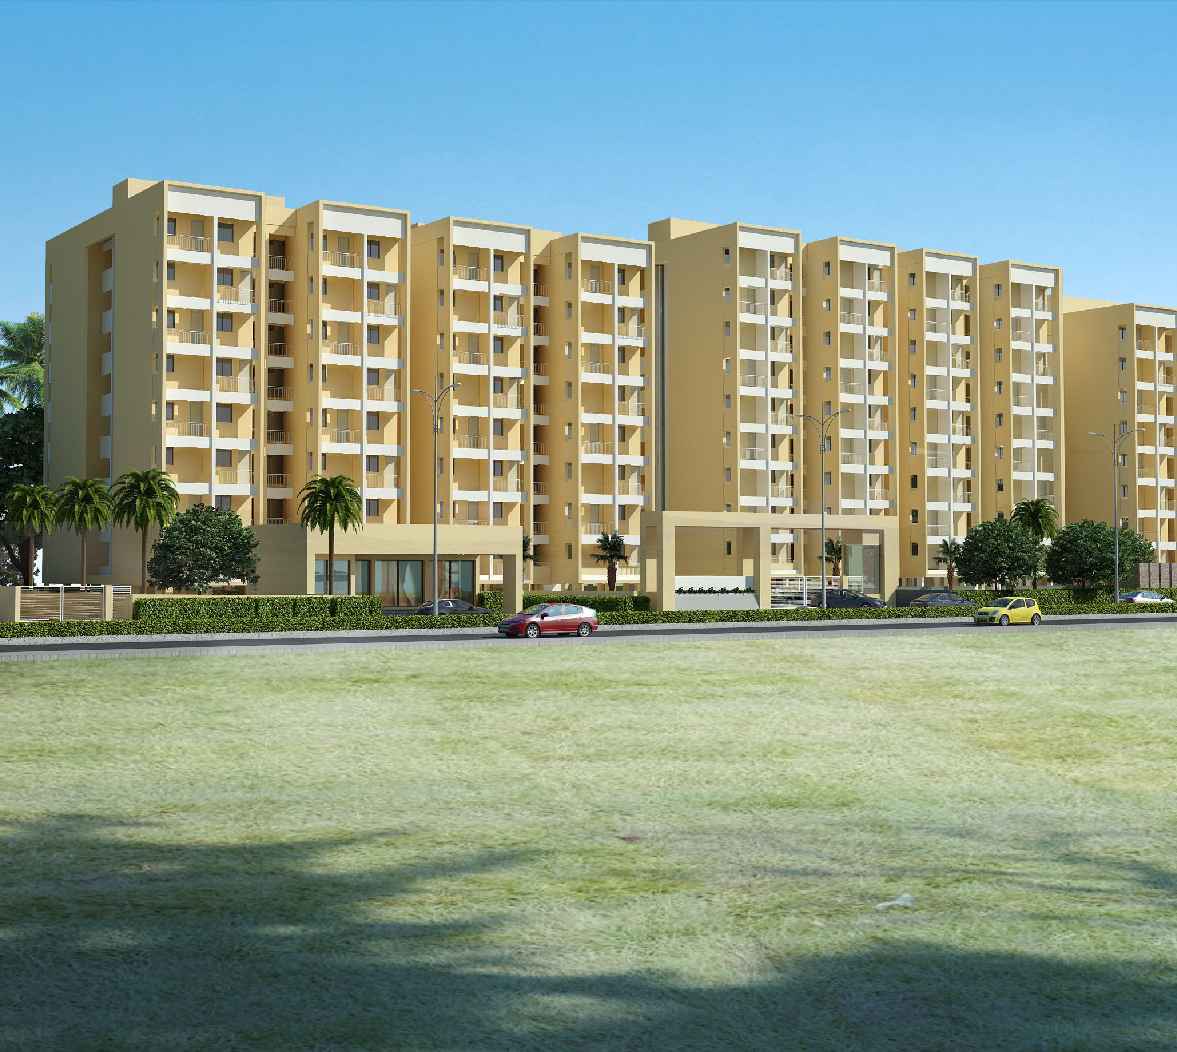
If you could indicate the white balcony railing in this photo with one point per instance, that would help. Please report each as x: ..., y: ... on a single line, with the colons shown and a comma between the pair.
x: 233, y: 384
x: 469, y: 441
x: 277, y: 480
x: 383, y: 307
x: 469, y: 273
x: 752, y: 306
x: 849, y: 317
x: 877, y: 285
x: 381, y: 392
x: 229, y: 294
x: 341, y: 259
x: 595, y: 285
x: 345, y: 434
x: 344, y: 348
x: 281, y: 394
x: 782, y: 273
x: 278, y: 307
x: 277, y: 262
x: 381, y: 479
x: 276, y: 435
x: 596, y: 448
x: 189, y: 242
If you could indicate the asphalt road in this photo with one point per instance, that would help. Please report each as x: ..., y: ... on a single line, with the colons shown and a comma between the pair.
x: 139, y: 645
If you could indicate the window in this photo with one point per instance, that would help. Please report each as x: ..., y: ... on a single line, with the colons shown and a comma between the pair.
x: 915, y: 516
x: 567, y: 388
x: 727, y: 474
x: 1123, y: 364
x: 441, y: 297
x: 568, y: 469
x: 224, y: 458
x: 567, y: 430
x: 997, y: 291
x: 373, y: 249
x: 169, y: 411
x: 998, y: 322
x: 827, y: 373
x: 568, y: 551
x: 913, y: 412
x: 1123, y: 334
x: 224, y: 413
x: 372, y: 508
x: 1123, y: 492
x: 910, y: 346
x: 497, y: 303
x: 500, y: 346
x: 727, y: 438
x: 373, y: 335
x: 998, y: 387
x: 324, y: 286
x: 727, y: 255
x: 727, y: 547
x: 915, y: 548
x: 1123, y: 458
x: 826, y: 408
x: 999, y: 453
x: 169, y: 456
x: 825, y: 268
x: 170, y: 363
x: 915, y: 482
x: 727, y: 328
x: 499, y: 266
x: 373, y: 291
x: 171, y: 319
x: 224, y: 323
x: 224, y: 231
x: 999, y: 420
x: 171, y: 226
x: 998, y: 354
x: 371, y: 463
x: 727, y: 401
x: 826, y: 304
x: 911, y: 280
x: 373, y: 421
x: 911, y: 314
x: 1000, y: 486
x: 1123, y: 397
x: 829, y: 478
x: 727, y: 365
x: 171, y: 271
x: 915, y: 448
x: 497, y: 427
x: 221, y: 502
x: 225, y: 276
x: 913, y: 380
x: 621, y: 275
x: 826, y: 338
x: 727, y: 292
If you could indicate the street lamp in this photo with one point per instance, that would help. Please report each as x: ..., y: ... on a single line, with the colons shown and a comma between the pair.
x: 823, y: 426
x: 435, y: 401
x: 1115, y: 447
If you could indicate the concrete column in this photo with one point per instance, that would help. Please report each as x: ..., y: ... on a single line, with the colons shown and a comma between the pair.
x: 761, y: 546
x: 664, y: 598
x: 888, y: 563
x: 107, y: 602
x: 10, y: 603
x: 512, y: 583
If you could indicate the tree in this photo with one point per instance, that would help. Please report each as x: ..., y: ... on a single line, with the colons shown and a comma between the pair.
x: 142, y: 498
x: 32, y: 509
x: 201, y: 547
x: 1039, y: 519
x: 1084, y: 554
x: 834, y: 555
x: 326, y: 502
x: 83, y: 505
x: 22, y: 443
x: 997, y: 552
x: 949, y: 556
x: 22, y: 376
x: 610, y: 551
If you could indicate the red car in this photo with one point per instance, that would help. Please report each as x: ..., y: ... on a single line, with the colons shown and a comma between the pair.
x: 551, y: 619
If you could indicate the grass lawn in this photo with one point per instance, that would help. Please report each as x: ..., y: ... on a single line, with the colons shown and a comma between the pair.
x: 654, y: 846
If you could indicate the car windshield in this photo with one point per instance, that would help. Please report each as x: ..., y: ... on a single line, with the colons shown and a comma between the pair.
x: 539, y: 608
x: 1001, y: 602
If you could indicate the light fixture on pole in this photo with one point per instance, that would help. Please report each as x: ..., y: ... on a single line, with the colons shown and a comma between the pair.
x: 823, y: 424
x: 1114, y: 443
x: 435, y: 401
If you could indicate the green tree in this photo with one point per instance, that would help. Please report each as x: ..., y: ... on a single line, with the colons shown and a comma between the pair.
x: 835, y: 552
x: 83, y: 505
x: 1084, y: 554
x: 22, y: 442
x: 31, y: 508
x: 997, y: 552
x: 140, y: 499
x: 22, y: 375
x: 201, y: 547
x: 326, y: 502
x: 1039, y: 519
x: 949, y: 556
x: 611, y: 552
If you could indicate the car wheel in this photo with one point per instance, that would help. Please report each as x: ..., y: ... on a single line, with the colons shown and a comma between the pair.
x: 583, y: 629
x: 1003, y: 621
x: 533, y: 631
x: 1036, y: 620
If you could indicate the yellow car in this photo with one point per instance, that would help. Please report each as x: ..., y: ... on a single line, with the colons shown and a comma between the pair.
x: 1012, y: 610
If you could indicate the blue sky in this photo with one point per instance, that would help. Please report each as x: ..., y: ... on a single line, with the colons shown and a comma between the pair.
x: 1042, y: 131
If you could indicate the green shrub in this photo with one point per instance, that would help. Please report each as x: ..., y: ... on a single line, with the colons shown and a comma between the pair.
x: 161, y: 611
x: 602, y: 602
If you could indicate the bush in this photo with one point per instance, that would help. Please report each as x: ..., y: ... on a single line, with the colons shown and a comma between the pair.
x: 182, y: 610
x: 714, y: 591
x: 599, y: 601
x: 201, y: 547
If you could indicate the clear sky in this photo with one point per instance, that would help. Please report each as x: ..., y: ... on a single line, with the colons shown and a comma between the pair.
x: 1038, y: 131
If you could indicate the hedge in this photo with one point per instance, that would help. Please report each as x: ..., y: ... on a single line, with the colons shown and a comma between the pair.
x: 184, y: 610
x: 400, y: 622
x: 602, y: 602
x: 1064, y: 600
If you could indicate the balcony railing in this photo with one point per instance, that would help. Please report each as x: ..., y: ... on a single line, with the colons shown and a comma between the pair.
x: 876, y: 285
x: 193, y: 428
x: 629, y: 488
x: 539, y: 528
x: 595, y: 285
x: 385, y: 308
x: 468, y: 441
x: 381, y: 392
x: 512, y: 319
x: 631, y: 329
x: 754, y: 453
x: 278, y: 349
x: 538, y: 289
x: 962, y: 430
x: 189, y: 242
x: 595, y: 365
x: 470, y: 357
x: 233, y: 476
x: 781, y: 345
x: 469, y: 273
x: 276, y: 520
x: 539, y: 449
x: 593, y: 526
x: 505, y: 484
x: 596, y: 448
x: 345, y: 434
x: 1021, y: 334
x: 938, y: 326
x: 782, y: 273
x: 538, y: 329
x: 850, y: 387
x: 277, y: 436
x: 875, y: 354
x: 961, y: 294
x: 341, y: 259
x: 233, y: 384
x: 381, y: 479
x: 753, y: 379
x: 229, y: 294
x: 277, y: 262
x: 539, y: 368
x: 279, y: 393
x: 277, y: 480
x: 631, y: 408
x: 190, y: 336
x: 505, y: 401
x: 781, y: 489
x: 962, y: 361
x: 278, y: 307
x: 849, y: 317
x: 539, y: 409
x: 344, y: 348
x: 752, y: 306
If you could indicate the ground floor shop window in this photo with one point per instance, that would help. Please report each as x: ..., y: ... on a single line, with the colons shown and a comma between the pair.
x: 340, y: 577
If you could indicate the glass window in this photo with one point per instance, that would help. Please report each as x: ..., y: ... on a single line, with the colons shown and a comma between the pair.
x: 364, y: 576
x: 224, y: 231
x: 224, y: 413
x: 171, y: 272
x: 457, y: 579
x: 224, y: 323
x: 373, y: 249
x: 409, y: 590
x: 339, y: 575
x: 373, y: 334
x: 171, y: 225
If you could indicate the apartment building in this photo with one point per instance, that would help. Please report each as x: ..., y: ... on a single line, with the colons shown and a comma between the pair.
x: 1120, y: 382
x: 849, y: 370
x: 729, y: 324
x: 938, y: 387
x: 550, y: 428
x: 1021, y: 358
x: 243, y: 346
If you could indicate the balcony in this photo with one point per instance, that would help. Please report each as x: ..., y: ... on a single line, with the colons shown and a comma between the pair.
x: 631, y: 407
x: 469, y: 273
x: 189, y: 243
x: 229, y: 294
x: 280, y: 307
x: 233, y: 384
x: 381, y: 307
x: 1022, y: 334
x: 631, y: 330
x: 753, y: 306
x: 596, y: 449
x: 381, y: 392
x: 278, y: 481
x: 781, y: 273
x: 196, y: 336
x: 753, y: 379
x: 341, y: 259
x: 233, y: 476
x: 510, y: 319
x: 344, y: 349
x: 469, y: 441
x: 505, y: 484
x: 849, y: 317
x: 277, y: 263
x: 381, y: 479
x: 277, y: 437
x: 597, y: 287
x: 538, y: 290
x: 502, y: 400
x: 345, y: 435
x: 876, y: 285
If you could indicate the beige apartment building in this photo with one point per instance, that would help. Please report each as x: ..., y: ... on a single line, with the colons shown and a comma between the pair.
x: 1120, y: 383
x: 550, y: 428
x: 730, y: 353
x: 1022, y: 437
x: 938, y: 474
x: 243, y: 346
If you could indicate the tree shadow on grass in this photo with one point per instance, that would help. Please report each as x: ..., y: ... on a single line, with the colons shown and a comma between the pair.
x: 111, y: 941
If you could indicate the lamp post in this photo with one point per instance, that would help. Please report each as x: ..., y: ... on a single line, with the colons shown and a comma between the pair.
x: 823, y: 425
x: 435, y: 401
x: 1115, y: 447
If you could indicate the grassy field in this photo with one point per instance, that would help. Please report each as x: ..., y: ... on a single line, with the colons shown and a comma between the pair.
x: 635, y: 846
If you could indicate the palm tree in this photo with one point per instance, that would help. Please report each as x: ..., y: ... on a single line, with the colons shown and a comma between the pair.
x: 1039, y: 519
x: 83, y: 505
x: 326, y: 502
x: 22, y: 375
x: 610, y: 551
x: 140, y: 499
x: 949, y: 555
x: 834, y: 555
x: 32, y: 509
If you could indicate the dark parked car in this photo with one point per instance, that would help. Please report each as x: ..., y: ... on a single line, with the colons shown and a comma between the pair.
x: 843, y: 599
x: 551, y: 619
x: 452, y: 606
x: 940, y: 599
